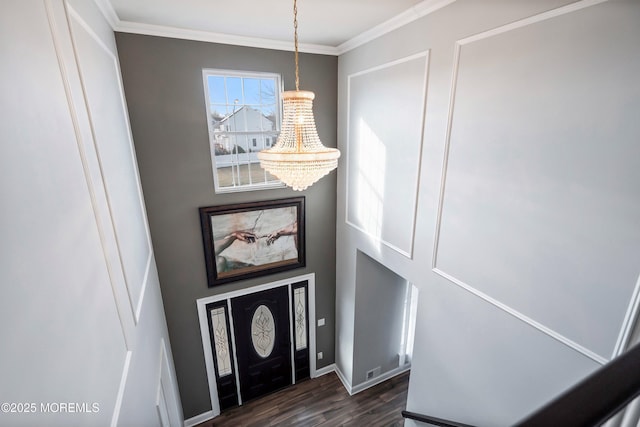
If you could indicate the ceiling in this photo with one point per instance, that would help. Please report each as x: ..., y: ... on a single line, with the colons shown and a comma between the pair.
x: 327, y: 23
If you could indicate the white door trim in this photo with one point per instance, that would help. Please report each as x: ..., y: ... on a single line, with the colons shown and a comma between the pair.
x: 206, y: 340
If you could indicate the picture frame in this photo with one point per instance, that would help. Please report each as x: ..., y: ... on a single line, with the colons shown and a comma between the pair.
x: 247, y: 240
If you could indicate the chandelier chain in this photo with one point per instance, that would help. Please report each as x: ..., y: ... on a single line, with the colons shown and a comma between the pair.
x: 298, y: 157
x: 295, y: 40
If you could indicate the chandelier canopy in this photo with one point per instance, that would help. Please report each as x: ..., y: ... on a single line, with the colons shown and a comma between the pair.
x: 298, y: 157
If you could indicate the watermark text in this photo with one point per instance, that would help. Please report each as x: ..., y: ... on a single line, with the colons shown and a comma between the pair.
x: 49, y: 407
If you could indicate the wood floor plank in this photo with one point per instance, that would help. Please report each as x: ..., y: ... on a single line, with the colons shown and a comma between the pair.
x: 322, y: 402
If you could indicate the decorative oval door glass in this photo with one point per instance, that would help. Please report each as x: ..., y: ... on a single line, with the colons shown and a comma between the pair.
x: 263, y: 331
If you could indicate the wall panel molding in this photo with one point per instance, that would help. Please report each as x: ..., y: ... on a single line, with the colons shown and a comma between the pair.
x: 629, y: 323
x: 135, y: 285
x: 166, y: 386
x: 454, y: 80
x: 121, y: 389
x: 573, y: 7
x: 143, y: 288
x: 380, y: 238
x: 58, y: 20
x: 634, y: 304
x: 74, y: 242
x: 515, y: 313
x: 109, y: 13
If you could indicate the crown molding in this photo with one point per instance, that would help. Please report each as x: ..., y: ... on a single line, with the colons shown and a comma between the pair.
x: 418, y: 11
x: 415, y: 12
x: 207, y: 36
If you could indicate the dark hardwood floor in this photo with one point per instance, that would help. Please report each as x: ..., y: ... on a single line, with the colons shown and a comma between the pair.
x: 322, y: 401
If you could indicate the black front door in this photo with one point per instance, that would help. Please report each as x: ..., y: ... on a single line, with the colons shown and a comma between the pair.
x: 261, y: 323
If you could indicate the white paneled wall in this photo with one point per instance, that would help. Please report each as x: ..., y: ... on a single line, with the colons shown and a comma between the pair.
x: 383, y: 156
x: 525, y: 162
x: 84, y: 336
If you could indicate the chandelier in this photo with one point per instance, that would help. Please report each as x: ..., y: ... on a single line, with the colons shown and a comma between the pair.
x: 298, y: 157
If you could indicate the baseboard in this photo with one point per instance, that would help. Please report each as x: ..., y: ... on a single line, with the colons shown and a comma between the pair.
x: 343, y: 380
x: 324, y: 371
x: 194, y: 421
x: 379, y: 379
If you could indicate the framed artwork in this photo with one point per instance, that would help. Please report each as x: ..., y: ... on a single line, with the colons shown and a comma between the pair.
x: 254, y: 239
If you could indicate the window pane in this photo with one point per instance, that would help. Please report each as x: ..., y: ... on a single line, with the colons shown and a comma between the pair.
x: 224, y: 144
x: 253, y: 172
x: 242, y: 148
x: 267, y: 91
x: 251, y: 91
x: 271, y: 178
x: 218, y: 113
x: 243, y: 157
x: 269, y: 113
x: 234, y: 90
x: 300, y: 317
x: 236, y: 121
x: 221, y: 341
x: 243, y: 120
x: 255, y: 120
x: 263, y: 331
x: 216, y: 90
x: 226, y: 176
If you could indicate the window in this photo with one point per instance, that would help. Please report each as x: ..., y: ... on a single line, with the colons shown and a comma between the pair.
x: 243, y: 115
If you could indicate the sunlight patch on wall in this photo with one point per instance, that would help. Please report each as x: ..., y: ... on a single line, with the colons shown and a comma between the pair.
x: 386, y: 108
x: 372, y: 156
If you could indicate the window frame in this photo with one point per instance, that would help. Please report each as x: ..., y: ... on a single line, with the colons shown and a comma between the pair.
x: 278, y: 88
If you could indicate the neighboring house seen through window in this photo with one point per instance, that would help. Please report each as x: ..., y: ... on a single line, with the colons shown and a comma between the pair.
x: 243, y: 115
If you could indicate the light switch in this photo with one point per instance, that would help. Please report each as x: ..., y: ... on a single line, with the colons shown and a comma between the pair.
x: 321, y: 322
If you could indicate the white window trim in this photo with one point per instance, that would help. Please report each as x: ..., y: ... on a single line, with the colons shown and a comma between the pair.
x: 243, y: 74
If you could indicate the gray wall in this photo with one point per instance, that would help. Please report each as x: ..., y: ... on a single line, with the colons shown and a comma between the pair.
x: 379, y: 318
x: 163, y: 83
x: 526, y: 239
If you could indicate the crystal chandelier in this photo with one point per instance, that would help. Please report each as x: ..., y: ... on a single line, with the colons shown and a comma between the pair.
x: 298, y: 158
